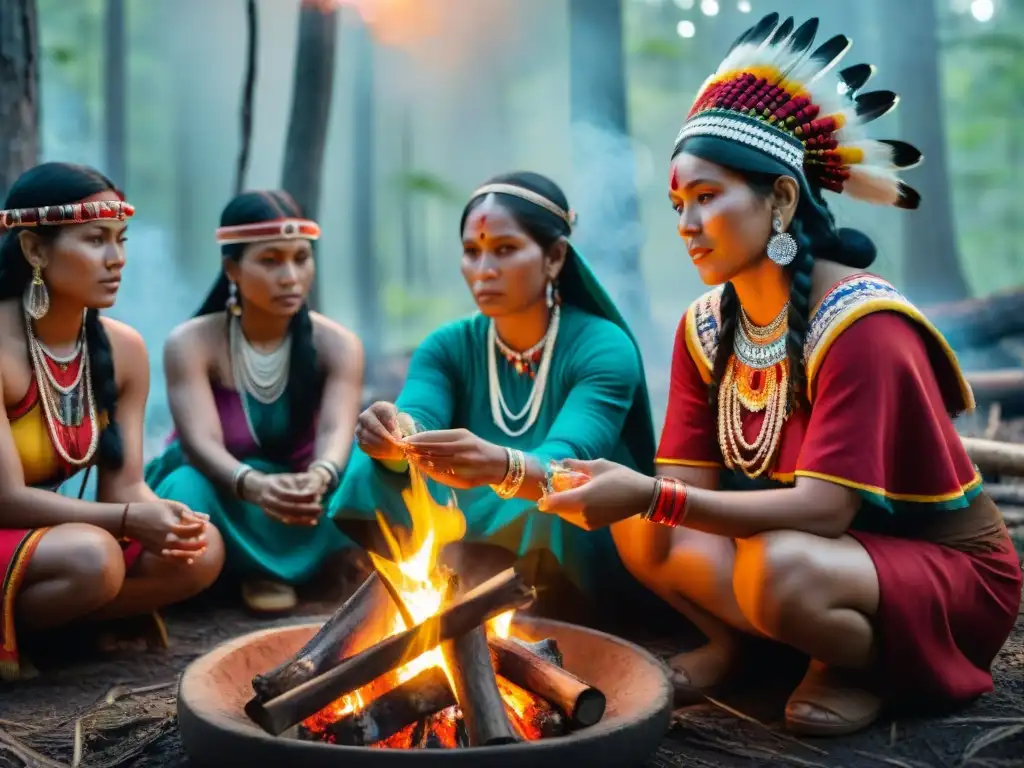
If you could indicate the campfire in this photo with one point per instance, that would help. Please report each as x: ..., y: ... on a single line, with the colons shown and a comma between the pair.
x: 414, y: 661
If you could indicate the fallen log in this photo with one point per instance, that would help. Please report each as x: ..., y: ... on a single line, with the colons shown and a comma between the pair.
x: 476, y: 689
x: 1006, y: 493
x: 358, y: 624
x: 979, y: 322
x: 503, y: 592
x: 1000, y: 384
x: 582, y: 703
x: 532, y: 717
x: 994, y: 456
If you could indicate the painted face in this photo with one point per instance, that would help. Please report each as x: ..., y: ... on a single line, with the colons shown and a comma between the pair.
x: 506, y: 269
x: 83, y: 262
x: 274, y: 276
x: 723, y: 221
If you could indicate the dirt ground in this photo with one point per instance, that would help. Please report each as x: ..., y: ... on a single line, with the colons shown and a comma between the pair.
x: 39, y: 717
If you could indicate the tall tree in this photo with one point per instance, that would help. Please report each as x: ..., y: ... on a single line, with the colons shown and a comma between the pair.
x: 931, y: 260
x: 115, y: 86
x: 19, y: 90
x: 604, y: 167
x: 311, y: 107
x: 248, y: 93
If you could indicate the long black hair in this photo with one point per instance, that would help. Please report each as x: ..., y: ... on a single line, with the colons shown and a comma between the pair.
x: 813, y: 227
x: 304, y: 379
x: 543, y: 227
x: 63, y: 184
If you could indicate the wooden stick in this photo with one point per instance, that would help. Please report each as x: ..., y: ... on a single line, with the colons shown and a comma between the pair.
x: 499, y: 594
x: 476, y: 689
x: 994, y: 456
x: 355, y: 626
x: 386, y: 715
x: 539, y: 720
x: 583, y: 703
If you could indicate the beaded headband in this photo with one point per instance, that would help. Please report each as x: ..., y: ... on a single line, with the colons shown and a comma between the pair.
x: 275, y: 229
x: 773, y: 95
x: 72, y: 213
x: 569, y: 217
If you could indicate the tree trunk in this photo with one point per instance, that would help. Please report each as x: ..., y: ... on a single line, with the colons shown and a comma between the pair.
x: 311, y: 108
x: 605, y: 194
x: 19, y: 90
x: 931, y: 264
x: 115, y: 86
x: 364, y: 209
x: 248, y: 94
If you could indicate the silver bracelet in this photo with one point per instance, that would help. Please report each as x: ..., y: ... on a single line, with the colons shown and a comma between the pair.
x: 331, y: 469
x: 238, y: 479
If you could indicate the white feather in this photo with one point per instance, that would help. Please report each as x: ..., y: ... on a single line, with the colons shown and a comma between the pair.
x: 872, y: 185
x: 876, y: 154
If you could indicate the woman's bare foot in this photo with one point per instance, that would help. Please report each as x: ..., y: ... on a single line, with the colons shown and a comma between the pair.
x: 706, y: 670
x: 265, y: 596
x: 829, y: 702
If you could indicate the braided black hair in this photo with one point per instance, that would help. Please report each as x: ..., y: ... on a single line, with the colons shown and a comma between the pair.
x: 62, y: 184
x: 305, y: 381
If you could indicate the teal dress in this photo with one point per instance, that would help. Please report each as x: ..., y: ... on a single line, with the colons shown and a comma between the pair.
x: 255, y: 544
x: 595, y: 406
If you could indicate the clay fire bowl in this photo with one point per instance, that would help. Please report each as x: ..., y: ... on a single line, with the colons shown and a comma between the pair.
x: 215, y: 730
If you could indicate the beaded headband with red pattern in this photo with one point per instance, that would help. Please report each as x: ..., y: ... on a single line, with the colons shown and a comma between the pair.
x: 72, y: 213
x: 263, y: 231
x: 772, y: 94
x: 569, y: 217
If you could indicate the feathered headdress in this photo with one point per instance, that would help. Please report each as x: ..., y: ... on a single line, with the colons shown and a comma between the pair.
x: 772, y: 94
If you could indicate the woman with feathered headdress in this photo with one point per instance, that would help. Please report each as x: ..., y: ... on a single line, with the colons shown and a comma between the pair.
x: 861, y: 535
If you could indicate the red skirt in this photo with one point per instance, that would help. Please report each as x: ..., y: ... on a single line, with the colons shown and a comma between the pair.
x: 16, y: 549
x: 942, y: 617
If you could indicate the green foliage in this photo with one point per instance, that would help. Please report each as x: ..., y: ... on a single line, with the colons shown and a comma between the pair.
x: 429, y: 185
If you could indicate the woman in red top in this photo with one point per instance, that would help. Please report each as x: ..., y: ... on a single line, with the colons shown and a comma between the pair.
x: 860, y: 534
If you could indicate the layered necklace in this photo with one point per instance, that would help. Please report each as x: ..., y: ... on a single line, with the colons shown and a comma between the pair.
x: 544, y: 349
x: 264, y: 375
x: 756, y: 379
x: 65, y: 391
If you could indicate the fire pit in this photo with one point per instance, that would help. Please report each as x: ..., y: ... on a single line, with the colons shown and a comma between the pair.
x: 215, y: 688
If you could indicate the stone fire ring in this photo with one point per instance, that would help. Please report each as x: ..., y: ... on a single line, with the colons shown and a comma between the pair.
x: 215, y: 730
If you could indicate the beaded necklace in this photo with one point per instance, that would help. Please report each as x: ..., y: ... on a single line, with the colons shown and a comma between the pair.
x: 531, y: 409
x: 756, y: 379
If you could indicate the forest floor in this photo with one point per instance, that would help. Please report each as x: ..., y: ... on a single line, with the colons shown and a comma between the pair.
x: 39, y: 718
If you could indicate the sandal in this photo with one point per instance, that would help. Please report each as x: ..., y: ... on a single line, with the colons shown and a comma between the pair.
x: 264, y: 596
x: 829, y: 703
x: 706, y: 671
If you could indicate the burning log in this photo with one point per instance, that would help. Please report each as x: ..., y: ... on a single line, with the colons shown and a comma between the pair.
x: 531, y: 716
x: 583, y: 703
x: 357, y: 625
x: 476, y: 689
x: 402, y: 706
x: 503, y: 592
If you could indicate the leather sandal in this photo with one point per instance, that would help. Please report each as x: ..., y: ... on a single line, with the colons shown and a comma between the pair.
x: 828, y: 703
x: 264, y: 596
x: 705, y: 671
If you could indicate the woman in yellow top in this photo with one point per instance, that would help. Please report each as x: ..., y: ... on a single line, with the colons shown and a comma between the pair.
x: 74, y: 388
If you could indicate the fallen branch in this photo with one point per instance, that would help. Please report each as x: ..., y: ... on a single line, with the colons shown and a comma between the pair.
x: 993, y: 456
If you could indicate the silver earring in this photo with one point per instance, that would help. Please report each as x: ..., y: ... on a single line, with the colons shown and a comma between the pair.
x: 551, y: 294
x: 36, y: 299
x: 782, y: 245
x: 232, y: 303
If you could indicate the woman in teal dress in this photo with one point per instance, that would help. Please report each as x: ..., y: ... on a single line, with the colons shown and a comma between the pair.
x: 264, y: 396
x: 546, y: 370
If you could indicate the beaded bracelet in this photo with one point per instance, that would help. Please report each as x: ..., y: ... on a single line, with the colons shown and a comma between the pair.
x: 514, y: 476
x: 668, y: 503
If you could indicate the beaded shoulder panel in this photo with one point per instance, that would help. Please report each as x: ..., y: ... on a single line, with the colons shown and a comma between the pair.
x: 847, y: 301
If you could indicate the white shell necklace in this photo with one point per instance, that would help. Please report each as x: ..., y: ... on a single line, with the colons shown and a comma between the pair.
x: 531, y: 409
x: 262, y: 375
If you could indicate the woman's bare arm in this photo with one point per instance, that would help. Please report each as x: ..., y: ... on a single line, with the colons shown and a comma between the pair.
x: 22, y: 506
x: 187, y: 364
x: 342, y: 356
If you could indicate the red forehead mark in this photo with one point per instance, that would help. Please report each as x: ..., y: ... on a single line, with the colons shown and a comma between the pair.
x: 674, y: 181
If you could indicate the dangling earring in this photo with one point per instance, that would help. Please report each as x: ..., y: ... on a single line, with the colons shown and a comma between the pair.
x: 552, y: 293
x: 782, y: 245
x: 36, y: 299
x: 232, y: 304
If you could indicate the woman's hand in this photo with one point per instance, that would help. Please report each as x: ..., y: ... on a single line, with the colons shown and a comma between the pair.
x: 167, y: 528
x: 378, y: 433
x: 613, y: 493
x: 287, y: 498
x: 457, y: 458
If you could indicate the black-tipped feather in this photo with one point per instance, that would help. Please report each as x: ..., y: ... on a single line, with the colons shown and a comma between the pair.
x: 784, y: 30
x: 873, y: 105
x: 799, y: 43
x: 855, y: 77
x: 904, y: 155
x: 910, y: 198
x: 826, y: 56
x: 762, y: 28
